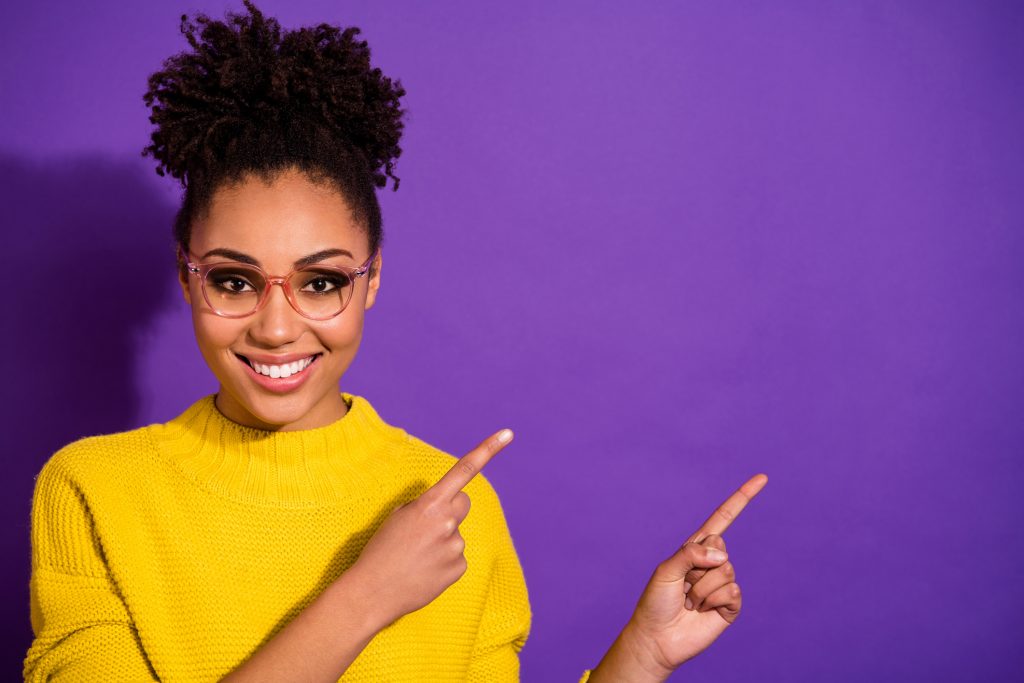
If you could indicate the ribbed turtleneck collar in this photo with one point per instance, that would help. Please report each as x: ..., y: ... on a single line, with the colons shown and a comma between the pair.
x: 305, y: 468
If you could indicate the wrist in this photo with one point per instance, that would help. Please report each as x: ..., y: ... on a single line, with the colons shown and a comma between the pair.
x: 353, y: 596
x: 645, y: 651
x: 631, y: 658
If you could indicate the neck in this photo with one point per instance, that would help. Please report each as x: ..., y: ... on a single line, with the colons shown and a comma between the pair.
x: 297, y: 468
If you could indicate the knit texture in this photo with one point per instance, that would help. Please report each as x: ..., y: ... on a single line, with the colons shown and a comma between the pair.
x: 173, y: 551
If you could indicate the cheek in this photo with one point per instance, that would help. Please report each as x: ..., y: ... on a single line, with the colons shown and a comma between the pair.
x: 342, y: 333
x: 214, y: 334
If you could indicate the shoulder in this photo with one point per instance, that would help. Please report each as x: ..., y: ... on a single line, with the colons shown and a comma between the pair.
x: 69, y: 488
x: 105, y: 455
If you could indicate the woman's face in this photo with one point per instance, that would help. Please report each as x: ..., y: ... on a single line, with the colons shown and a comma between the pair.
x: 277, y: 225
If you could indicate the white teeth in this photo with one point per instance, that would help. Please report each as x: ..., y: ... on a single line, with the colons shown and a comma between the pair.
x: 286, y: 370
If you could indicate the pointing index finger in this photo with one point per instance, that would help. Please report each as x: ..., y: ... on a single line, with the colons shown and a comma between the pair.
x: 728, y: 511
x: 471, y: 463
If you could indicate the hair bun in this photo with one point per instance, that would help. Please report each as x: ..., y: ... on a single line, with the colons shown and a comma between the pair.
x: 245, y: 77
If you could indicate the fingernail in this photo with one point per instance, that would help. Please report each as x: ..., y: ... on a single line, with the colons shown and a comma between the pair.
x: 716, y: 555
x: 686, y: 586
x: 505, y: 435
x: 689, y: 603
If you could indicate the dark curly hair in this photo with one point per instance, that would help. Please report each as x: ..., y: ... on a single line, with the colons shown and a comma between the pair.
x: 251, y: 100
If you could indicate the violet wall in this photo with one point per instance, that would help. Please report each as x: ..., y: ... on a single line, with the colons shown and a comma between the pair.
x: 671, y: 244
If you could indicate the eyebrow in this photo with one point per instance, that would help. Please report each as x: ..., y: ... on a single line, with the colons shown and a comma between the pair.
x: 304, y: 261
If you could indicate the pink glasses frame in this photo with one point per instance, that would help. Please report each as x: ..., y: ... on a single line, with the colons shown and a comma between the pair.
x: 201, y: 269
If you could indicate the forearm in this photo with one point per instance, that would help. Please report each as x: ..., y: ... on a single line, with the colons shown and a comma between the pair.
x: 320, y: 643
x: 628, y: 661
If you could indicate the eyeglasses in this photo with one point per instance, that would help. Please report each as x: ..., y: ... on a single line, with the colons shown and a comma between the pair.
x: 236, y: 290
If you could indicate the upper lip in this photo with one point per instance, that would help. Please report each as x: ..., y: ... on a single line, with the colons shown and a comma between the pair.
x: 282, y: 359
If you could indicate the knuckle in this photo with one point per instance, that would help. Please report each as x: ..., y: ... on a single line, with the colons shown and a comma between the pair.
x: 714, y: 541
x: 666, y: 570
x: 664, y: 567
x: 466, y: 467
x: 726, y: 514
x: 728, y: 570
x: 694, y: 550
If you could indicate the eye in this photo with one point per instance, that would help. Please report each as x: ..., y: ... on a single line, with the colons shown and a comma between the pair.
x: 319, y: 282
x: 230, y: 283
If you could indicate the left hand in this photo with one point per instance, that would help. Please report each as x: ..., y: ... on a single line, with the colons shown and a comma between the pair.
x: 663, y: 626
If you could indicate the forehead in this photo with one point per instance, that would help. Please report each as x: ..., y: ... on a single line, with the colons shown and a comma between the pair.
x: 280, y: 221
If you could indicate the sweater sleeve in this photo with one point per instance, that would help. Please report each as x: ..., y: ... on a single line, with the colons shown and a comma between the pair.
x: 82, y: 628
x: 507, y: 617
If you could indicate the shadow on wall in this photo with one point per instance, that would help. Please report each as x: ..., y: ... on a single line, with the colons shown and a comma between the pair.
x: 87, y: 251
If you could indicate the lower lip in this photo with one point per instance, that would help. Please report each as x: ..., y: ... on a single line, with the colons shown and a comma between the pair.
x: 281, y: 385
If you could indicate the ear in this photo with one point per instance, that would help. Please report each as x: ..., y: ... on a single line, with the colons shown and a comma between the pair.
x: 183, y: 281
x: 374, y: 284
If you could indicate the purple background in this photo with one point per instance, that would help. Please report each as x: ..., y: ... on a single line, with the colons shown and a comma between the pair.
x: 670, y: 245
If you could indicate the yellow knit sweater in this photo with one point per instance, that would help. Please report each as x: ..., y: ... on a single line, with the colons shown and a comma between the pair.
x: 174, y: 551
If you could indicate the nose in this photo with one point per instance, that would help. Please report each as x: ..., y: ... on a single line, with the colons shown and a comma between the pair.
x: 277, y: 323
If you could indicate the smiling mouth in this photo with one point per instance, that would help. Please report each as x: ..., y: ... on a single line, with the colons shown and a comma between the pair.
x: 281, y: 371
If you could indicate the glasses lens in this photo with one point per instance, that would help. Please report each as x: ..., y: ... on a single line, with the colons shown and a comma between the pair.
x: 233, y: 288
x: 321, y: 292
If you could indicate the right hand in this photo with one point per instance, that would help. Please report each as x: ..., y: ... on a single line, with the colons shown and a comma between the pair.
x: 418, y: 551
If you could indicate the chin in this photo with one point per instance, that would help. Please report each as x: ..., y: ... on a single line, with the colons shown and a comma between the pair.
x: 255, y: 406
x: 275, y: 411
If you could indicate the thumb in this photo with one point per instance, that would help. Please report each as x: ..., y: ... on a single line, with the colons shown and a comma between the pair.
x: 709, y: 541
x: 690, y: 556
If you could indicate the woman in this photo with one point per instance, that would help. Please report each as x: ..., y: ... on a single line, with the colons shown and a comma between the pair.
x: 281, y: 529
